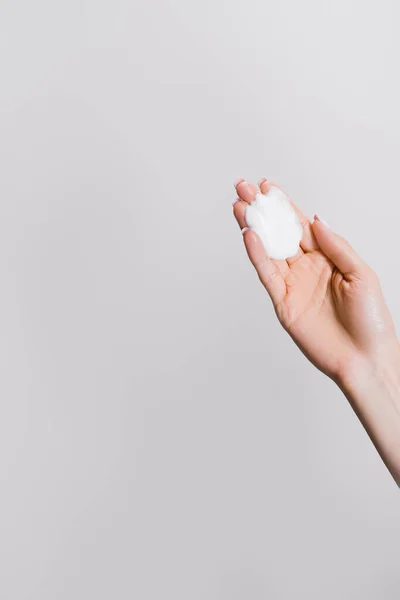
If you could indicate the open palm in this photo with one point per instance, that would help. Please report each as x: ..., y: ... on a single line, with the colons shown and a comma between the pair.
x: 326, y: 297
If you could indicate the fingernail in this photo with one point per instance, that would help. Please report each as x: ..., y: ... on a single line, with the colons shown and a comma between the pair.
x: 234, y: 202
x: 245, y: 229
x: 263, y: 180
x: 318, y: 218
x: 236, y: 183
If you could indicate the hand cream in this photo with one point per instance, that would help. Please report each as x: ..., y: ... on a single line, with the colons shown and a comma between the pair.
x: 275, y: 221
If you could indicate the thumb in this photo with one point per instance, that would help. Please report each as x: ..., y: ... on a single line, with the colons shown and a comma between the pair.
x: 336, y: 248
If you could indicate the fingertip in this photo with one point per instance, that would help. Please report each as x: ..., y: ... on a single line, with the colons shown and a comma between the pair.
x: 254, y: 246
x: 237, y: 181
x: 318, y: 219
x: 264, y: 185
x: 246, y: 191
x: 251, y: 241
x: 239, y: 211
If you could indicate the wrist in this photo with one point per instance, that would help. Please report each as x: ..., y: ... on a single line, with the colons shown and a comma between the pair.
x: 372, y: 387
x: 377, y: 370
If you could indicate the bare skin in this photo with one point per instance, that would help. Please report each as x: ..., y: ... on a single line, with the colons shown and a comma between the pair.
x: 331, y: 304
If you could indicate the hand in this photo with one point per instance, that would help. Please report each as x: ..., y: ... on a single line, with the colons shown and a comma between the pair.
x: 326, y: 297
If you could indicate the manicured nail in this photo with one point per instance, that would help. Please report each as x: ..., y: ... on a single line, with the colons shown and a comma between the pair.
x: 234, y: 202
x: 238, y: 181
x: 245, y: 229
x: 318, y: 218
x: 263, y: 180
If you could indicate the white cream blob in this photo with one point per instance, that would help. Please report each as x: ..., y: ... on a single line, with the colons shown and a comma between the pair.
x: 274, y: 220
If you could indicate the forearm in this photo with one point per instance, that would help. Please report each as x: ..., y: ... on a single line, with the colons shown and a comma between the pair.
x: 373, y: 390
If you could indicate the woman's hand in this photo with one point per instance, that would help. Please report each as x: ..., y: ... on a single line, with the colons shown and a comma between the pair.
x: 331, y: 304
x: 326, y: 297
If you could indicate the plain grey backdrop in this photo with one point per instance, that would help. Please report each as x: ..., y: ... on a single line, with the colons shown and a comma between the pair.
x: 161, y: 438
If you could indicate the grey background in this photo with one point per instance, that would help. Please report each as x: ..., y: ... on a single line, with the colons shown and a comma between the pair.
x: 160, y: 435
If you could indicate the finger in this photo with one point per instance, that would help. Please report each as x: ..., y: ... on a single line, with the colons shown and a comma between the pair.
x: 268, y: 272
x: 246, y: 191
x: 308, y: 241
x: 337, y: 249
x: 239, y: 210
